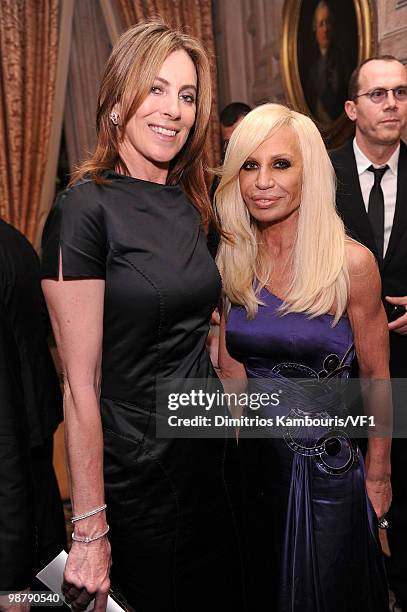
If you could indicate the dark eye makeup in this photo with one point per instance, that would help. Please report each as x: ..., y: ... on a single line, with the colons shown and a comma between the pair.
x: 249, y: 164
x: 282, y: 163
x: 279, y: 163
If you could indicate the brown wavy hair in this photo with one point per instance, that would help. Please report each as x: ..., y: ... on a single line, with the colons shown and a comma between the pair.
x: 127, y: 79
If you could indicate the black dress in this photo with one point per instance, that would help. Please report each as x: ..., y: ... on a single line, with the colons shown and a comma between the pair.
x: 172, y: 525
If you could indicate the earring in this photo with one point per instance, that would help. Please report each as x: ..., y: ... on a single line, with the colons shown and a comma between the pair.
x: 114, y: 118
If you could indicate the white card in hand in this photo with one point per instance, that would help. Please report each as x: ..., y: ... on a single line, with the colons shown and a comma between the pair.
x: 52, y: 576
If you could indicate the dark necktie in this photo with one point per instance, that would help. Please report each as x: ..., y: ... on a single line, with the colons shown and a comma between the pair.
x: 375, y: 209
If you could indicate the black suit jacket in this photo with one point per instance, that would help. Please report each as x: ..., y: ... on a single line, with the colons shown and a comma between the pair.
x: 393, y: 270
x: 24, y: 319
x: 30, y: 402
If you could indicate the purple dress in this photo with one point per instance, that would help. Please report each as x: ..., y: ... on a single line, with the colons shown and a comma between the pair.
x: 312, y: 537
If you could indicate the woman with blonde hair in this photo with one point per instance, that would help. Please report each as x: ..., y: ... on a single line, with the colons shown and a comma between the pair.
x: 131, y: 287
x: 301, y: 298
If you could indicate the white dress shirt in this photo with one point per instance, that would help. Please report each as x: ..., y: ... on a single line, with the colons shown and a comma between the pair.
x: 388, y: 184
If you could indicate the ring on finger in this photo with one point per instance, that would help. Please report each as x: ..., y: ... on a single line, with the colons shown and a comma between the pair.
x: 72, y: 593
x: 383, y: 523
x: 84, y: 598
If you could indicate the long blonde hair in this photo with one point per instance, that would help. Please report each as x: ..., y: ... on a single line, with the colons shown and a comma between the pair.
x: 129, y: 74
x: 319, y: 277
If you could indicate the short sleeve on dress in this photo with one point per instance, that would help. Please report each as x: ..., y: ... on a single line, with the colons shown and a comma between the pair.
x: 76, y: 228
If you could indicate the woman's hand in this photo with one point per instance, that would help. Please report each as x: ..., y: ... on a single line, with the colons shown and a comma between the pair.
x: 86, y: 575
x: 379, y: 492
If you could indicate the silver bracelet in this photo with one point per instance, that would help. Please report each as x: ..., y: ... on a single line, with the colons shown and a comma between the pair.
x: 87, y: 514
x: 87, y: 539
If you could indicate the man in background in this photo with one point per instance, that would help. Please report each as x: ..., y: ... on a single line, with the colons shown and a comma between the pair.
x: 32, y: 527
x: 230, y: 118
x: 372, y: 200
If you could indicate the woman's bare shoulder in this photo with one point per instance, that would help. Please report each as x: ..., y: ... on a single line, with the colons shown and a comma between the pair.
x: 360, y: 260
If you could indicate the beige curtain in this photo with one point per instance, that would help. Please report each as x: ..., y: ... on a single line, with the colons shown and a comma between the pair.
x: 195, y: 18
x: 90, y: 48
x: 28, y: 62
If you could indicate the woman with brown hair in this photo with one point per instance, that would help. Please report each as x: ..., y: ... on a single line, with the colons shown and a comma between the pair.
x: 131, y: 286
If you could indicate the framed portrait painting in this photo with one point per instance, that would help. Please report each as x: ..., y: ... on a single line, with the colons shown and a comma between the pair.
x: 322, y: 43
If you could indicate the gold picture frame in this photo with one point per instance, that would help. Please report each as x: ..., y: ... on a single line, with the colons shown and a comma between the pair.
x: 335, y: 128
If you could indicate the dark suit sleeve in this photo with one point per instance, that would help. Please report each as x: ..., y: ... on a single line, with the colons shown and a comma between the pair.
x: 16, y: 512
x: 340, y: 167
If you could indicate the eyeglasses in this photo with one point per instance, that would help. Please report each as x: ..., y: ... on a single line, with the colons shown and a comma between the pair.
x: 380, y: 94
